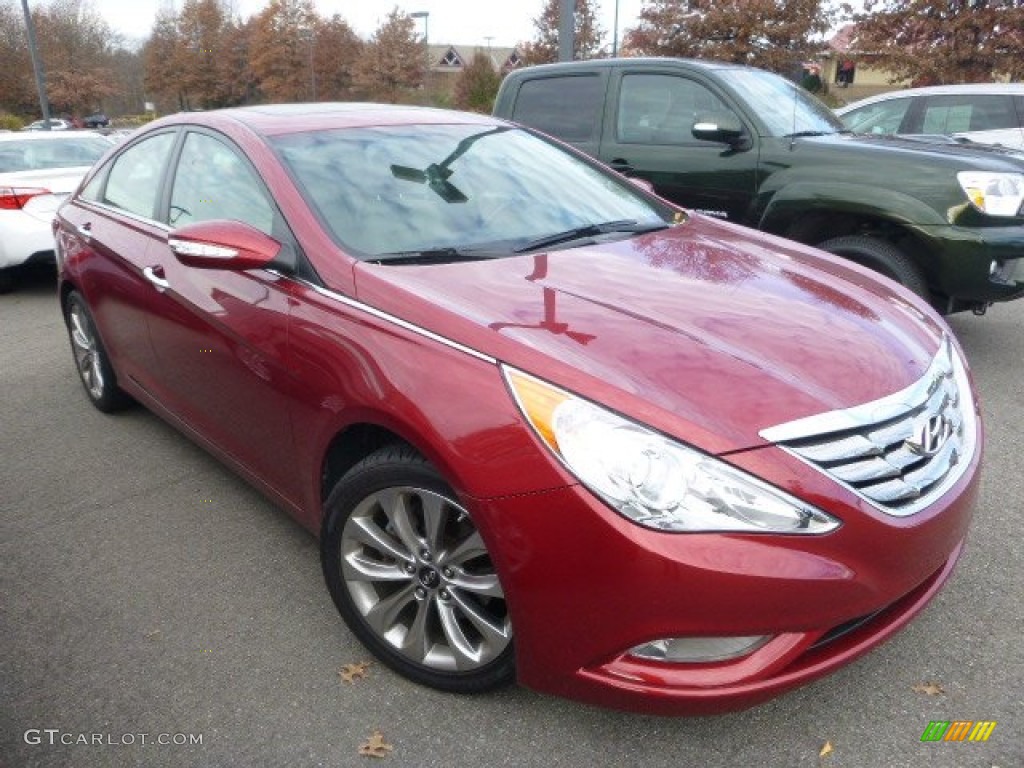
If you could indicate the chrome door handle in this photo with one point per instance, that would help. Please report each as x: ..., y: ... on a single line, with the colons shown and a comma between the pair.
x: 155, y: 275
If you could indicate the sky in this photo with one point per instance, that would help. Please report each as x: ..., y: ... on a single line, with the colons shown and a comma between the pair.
x: 461, y: 22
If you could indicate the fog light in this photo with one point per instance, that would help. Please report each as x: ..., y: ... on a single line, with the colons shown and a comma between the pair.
x: 699, y: 649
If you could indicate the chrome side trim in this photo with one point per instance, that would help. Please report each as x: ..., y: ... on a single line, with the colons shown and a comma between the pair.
x: 103, y: 207
x: 389, y: 318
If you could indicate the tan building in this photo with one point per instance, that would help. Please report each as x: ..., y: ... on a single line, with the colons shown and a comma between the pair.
x: 851, y: 74
x: 448, y: 61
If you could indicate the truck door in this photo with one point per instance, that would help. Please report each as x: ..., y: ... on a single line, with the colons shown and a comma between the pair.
x: 647, y: 133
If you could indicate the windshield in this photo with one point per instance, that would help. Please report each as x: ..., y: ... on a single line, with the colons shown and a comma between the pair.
x: 43, y: 154
x: 413, y: 188
x: 785, y: 108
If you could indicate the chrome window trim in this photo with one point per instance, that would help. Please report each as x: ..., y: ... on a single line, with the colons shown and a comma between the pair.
x: 104, y: 207
x: 946, y: 362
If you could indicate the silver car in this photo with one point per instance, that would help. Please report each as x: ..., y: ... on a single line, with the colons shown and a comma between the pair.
x: 988, y: 113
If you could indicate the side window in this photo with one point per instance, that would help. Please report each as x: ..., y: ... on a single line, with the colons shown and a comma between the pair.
x: 566, y: 107
x: 661, y: 109
x: 133, y: 183
x: 961, y: 113
x: 884, y: 117
x: 213, y: 182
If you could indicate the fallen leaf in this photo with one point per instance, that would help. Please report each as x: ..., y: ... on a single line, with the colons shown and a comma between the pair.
x: 350, y: 672
x: 375, y: 746
x: 826, y: 750
x: 931, y: 689
x: 155, y: 634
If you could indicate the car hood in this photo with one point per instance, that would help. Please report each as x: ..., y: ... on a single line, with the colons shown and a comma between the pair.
x: 940, y: 149
x: 708, y: 331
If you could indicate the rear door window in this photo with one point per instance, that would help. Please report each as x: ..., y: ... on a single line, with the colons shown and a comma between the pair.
x: 967, y: 112
x: 133, y: 183
x: 566, y: 107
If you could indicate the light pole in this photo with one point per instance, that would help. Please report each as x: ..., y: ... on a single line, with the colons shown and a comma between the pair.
x: 37, y: 66
x: 425, y: 15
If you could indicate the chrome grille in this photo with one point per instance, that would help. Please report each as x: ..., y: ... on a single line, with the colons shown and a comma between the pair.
x: 901, y: 452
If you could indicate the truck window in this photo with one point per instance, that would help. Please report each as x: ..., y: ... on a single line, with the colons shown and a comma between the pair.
x: 566, y: 107
x: 661, y: 109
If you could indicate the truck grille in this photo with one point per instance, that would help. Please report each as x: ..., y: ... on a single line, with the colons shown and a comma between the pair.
x: 900, y: 453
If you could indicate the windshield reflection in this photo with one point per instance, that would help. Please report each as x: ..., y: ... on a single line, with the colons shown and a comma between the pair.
x: 408, y: 188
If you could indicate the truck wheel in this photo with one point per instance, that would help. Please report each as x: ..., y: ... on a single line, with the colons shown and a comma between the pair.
x: 880, y: 256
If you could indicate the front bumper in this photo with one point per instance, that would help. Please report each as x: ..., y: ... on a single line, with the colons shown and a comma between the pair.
x: 584, y: 586
x: 974, y: 265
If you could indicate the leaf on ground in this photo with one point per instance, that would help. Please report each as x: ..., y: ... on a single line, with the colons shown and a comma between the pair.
x: 826, y: 750
x: 931, y: 688
x: 375, y: 746
x: 154, y: 635
x: 350, y: 672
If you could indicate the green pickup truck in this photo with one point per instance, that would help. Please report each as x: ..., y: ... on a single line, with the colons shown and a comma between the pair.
x: 942, y: 217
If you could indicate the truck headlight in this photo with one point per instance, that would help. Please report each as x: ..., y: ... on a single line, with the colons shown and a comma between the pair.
x: 997, y: 194
x: 651, y: 479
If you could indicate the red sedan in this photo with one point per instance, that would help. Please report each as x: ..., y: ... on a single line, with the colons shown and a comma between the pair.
x: 546, y: 426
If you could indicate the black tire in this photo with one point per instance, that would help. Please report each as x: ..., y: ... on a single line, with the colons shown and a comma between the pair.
x: 428, y: 605
x: 881, y: 256
x: 91, y: 360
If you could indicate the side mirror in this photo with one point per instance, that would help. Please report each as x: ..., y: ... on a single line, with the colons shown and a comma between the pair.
x: 222, y: 244
x: 721, y: 126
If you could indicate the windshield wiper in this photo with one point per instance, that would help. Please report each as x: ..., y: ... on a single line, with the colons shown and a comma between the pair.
x: 591, y: 230
x: 802, y: 134
x: 435, y: 256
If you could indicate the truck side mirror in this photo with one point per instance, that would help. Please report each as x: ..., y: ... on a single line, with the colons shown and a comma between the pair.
x: 721, y: 126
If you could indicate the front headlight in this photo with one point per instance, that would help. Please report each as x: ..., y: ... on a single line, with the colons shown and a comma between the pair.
x: 997, y: 194
x: 654, y: 480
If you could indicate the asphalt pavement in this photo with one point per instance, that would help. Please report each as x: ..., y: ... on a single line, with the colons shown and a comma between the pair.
x: 155, y: 610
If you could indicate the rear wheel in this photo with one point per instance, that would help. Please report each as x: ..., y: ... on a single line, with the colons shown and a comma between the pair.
x: 411, y: 575
x: 881, y: 256
x: 91, y: 359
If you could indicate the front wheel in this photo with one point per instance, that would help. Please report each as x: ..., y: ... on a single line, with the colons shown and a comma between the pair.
x: 411, y: 576
x: 881, y: 256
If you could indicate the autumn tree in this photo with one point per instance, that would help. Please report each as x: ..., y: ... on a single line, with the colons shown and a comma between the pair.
x: 587, y: 40
x: 956, y: 41
x: 77, y: 46
x: 772, y: 34
x: 394, y: 61
x: 160, y: 55
x: 17, y: 90
x: 337, y: 49
x: 477, y: 85
x: 282, y: 46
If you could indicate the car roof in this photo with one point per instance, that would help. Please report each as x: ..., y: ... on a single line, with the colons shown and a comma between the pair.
x: 49, y: 135
x: 279, y: 119
x: 993, y: 89
x: 639, y: 61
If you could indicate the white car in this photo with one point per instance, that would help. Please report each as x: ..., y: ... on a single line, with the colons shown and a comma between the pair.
x: 988, y: 113
x: 37, y: 171
x: 56, y: 124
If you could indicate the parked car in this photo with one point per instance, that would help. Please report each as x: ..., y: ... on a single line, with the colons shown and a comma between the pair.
x: 988, y: 113
x: 97, y: 120
x: 55, y: 125
x: 751, y: 147
x: 545, y: 423
x: 37, y: 171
